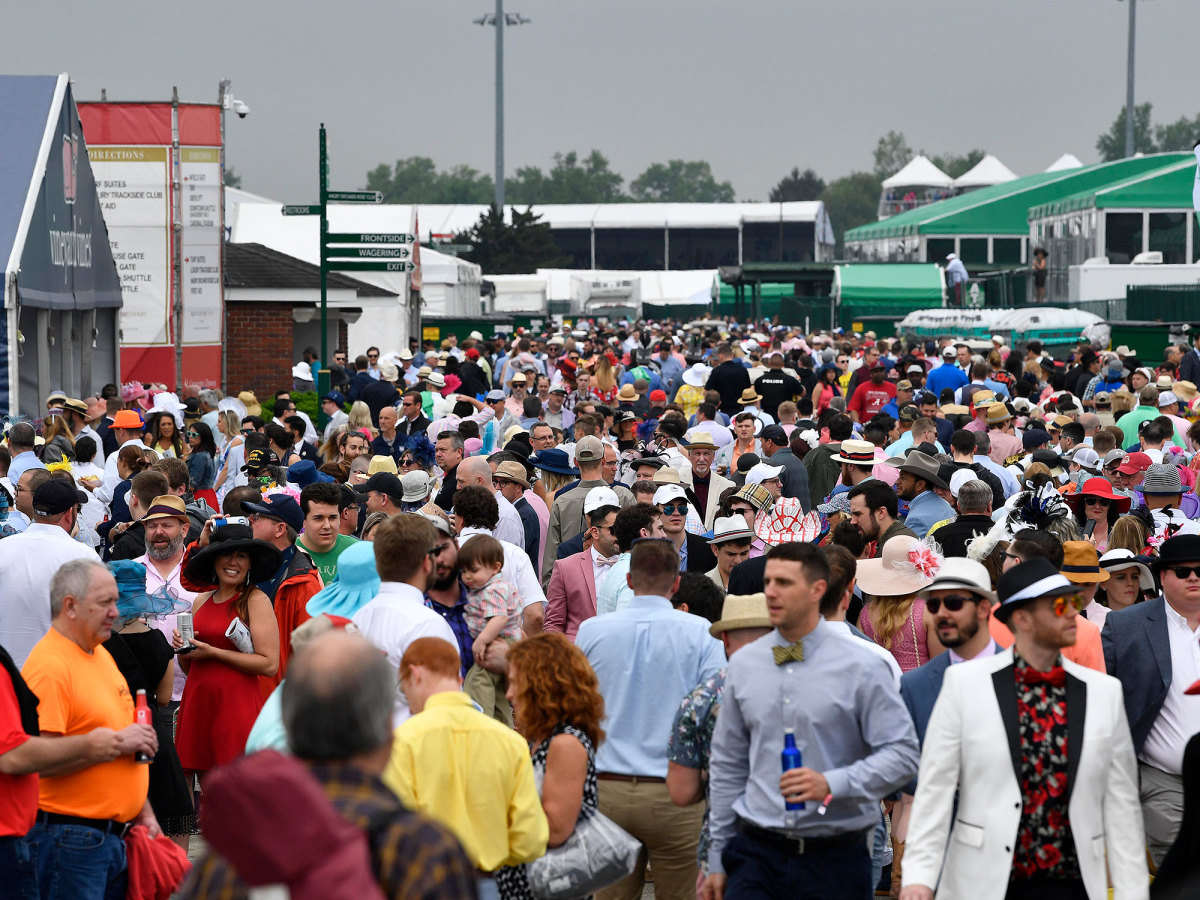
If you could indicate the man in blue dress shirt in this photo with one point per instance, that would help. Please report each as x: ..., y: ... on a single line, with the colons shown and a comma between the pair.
x: 853, y: 731
x: 647, y: 657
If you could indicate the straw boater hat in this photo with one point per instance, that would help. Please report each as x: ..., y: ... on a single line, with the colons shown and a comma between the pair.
x: 742, y: 611
x: 855, y: 452
x: 907, y: 566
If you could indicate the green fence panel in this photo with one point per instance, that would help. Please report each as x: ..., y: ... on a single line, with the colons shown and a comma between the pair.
x: 1163, y: 303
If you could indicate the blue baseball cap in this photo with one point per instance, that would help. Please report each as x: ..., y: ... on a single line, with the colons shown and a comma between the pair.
x: 335, y: 397
x: 278, y: 506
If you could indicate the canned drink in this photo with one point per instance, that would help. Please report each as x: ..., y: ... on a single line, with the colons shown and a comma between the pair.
x: 183, y: 623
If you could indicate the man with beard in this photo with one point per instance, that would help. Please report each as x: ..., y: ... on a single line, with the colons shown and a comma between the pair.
x: 445, y: 594
x: 918, y: 478
x: 707, y: 484
x: 166, y: 528
x: 873, y: 509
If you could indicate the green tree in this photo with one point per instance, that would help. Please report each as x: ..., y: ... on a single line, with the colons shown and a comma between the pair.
x: 852, y: 201
x: 798, y: 186
x: 892, y: 153
x: 515, y: 248
x: 232, y: 178
x: 954, y: 164
x: 1111, y: 144
x: 570, y: 180
x: 680, y: 181
x: 417, y: 180
x: 1179, y: 135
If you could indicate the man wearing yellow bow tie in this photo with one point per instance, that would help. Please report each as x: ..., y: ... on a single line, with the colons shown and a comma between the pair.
x: 851, y: 727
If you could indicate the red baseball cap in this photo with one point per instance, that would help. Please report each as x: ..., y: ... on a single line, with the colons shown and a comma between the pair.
x: 658, y: 396
x: 1134, y: 463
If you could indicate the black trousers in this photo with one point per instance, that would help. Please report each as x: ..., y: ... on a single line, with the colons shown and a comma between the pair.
x: 1045, y: 889
x: 834, y: 873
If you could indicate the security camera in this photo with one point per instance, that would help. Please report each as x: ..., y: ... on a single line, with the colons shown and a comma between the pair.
x: 241, y: 109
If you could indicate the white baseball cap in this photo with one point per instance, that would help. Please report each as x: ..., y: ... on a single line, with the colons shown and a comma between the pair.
x: 761, y: 472
x: 598, y: 497
x: 667, y: 493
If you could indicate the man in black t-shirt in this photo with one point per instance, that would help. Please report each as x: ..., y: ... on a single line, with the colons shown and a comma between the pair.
x: 775, y: 386
x: 728, y: 379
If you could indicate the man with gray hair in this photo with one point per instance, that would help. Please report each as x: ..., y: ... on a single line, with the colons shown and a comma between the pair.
x: 85, y: 811
x: 209, y: 412
x: 974, y: 518
x: 337, y: 712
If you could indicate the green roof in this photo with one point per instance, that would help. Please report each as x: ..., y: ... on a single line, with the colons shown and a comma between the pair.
x: 1168, y: 187
x: 909, y: 282
x: 1004, y: 209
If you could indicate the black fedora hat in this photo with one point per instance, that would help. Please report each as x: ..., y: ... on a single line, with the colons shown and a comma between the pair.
x: 1024, y: 583
x: 264, y: 558
x: 1182, y: 548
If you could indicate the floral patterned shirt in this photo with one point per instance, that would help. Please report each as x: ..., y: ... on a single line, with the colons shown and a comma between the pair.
x: 1045, y: 845
x: 691, y: 740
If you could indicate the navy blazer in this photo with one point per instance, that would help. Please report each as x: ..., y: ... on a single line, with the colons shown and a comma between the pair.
x: 1137, y: 652
x: 919, y: 688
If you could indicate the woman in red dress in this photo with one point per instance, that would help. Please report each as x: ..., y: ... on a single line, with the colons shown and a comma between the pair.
x: 222, y: 697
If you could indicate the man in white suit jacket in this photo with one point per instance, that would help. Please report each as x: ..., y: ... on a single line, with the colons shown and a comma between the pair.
x: 974, y: 751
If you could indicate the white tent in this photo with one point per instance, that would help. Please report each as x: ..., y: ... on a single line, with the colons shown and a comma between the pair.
x: 919, y: 172
x: 987, y: 171
x: 1064, y: 162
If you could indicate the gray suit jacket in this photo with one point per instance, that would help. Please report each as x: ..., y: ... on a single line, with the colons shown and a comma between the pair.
x: 1137, y: 652
x: 794, y: 477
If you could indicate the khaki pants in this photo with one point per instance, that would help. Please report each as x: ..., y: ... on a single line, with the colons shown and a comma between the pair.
x: 669, y: 835
x: 1162, y: 808
x: 487, y: 689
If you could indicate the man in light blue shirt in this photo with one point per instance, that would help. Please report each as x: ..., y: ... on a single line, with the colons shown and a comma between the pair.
x: 918, y: 478
x: 855, y: 737
x: 647, y: 658
x: 638, y: 521
x: 983, y: 444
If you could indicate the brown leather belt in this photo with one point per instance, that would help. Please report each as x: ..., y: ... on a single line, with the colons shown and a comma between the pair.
x: 633, y: 779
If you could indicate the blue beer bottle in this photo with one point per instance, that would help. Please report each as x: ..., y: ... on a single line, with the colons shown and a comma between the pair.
x: 791, y: 759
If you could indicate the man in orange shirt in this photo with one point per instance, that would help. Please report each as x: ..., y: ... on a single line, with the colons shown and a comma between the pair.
x: 1027, y: 545
x: 85, y: 809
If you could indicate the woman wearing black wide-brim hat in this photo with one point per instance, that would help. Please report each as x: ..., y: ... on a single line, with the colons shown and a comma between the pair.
x: 222, y: 696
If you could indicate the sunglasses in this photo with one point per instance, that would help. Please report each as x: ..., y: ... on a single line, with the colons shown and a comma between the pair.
x: 1076, y: 600
x: 673, y: 509
x: 1096, y: 501
x: 247, y: 431
x: 192, y: 434
x: 953, y: 603
x: 1182, y: 572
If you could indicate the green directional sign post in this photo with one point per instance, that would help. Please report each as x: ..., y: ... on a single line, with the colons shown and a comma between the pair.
x: 372, y: 252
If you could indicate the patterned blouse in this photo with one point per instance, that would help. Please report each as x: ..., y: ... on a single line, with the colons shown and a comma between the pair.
x: 691, y: 740
x: 511, y: 879
x: 1045, y: 846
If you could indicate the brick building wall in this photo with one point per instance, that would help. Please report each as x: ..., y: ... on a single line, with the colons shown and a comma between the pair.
x: 258, y: 352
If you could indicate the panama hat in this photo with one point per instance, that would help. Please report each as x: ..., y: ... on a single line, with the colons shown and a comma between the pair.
x: 855, y: 452
x: 742, y: 611
x: 730, y: 528
x: 960, y: 572
x: 168, y: 506
x: 749, y: 395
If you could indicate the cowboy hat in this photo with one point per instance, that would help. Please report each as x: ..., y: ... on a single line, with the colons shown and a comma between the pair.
x: 923, y: 466
x: 896, y: 572
x: 787, y: 523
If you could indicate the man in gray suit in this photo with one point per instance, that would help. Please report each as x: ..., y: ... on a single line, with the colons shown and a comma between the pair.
x: 1152, y: 648
x: 795, y: 477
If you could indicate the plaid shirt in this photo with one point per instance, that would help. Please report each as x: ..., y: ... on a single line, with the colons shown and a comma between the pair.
x: 413, y: 856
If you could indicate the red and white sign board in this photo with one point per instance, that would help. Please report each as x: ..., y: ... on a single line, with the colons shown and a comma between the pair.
x: 129, y: 146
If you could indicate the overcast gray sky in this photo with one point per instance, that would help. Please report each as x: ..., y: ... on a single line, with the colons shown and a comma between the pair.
x: 754, y: 87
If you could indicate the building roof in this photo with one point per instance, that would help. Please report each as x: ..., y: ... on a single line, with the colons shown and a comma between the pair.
x: 256, y: 266
x: 1003, y: 209
x: 1167, y: 187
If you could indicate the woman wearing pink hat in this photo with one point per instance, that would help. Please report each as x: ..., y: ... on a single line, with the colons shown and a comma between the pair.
x: 895, y: 616
x: 1097, y: 508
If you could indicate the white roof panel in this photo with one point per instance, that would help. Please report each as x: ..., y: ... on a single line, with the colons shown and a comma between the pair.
x: 1066, y: 161
x: 919, y: 172
x: 987, y: 171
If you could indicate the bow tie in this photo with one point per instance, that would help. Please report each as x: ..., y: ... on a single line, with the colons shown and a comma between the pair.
x: 605, y: 561
x: 1056, y: 677
x: 788, y: 653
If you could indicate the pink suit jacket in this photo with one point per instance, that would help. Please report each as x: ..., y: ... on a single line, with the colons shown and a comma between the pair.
x: 571, y: 594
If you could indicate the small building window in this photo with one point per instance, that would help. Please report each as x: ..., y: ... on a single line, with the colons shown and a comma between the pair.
x: 1168, y: 233
x: 1122, y: 237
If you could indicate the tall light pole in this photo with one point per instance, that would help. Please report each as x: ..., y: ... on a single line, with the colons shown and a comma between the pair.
x: 499, y: 20
x: 1128, y: 81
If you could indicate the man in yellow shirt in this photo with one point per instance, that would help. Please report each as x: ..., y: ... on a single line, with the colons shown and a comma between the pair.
x: 85, y: 810
x: 467, y: 771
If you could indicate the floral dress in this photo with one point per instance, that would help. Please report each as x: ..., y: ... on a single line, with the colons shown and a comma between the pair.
x: 511, y: 879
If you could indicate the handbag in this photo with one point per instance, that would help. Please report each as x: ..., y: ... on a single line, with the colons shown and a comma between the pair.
x: 597, y: 854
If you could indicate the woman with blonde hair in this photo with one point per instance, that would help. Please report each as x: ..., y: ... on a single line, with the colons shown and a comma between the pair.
x: 558, y: 707
x: 895, y: 616
x: 360, y: 419
x: 604, y: 379
x: 1128, y: 533
x: 554, y: 471
x: 60, y: 442
x: 232, y: 452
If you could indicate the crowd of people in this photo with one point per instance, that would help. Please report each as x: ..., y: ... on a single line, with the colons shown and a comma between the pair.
x: 487, y: 601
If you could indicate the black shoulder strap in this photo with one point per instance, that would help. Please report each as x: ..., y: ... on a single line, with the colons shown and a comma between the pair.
x: 27, y: 700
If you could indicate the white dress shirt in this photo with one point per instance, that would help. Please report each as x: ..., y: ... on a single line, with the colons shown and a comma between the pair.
x: 991, y: 649
x: 28, y: 561
x: 600, y: 566
x: 1179, y: 717
x: 392, y: 620
x: 517, y: 568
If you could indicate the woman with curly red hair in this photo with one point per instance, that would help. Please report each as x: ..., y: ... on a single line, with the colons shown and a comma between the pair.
x: 557, y: 706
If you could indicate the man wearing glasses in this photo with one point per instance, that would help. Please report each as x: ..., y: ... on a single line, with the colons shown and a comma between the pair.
x: 412, y: 419
x: 695, y: 555
x: 1152, y: 649
x: 373, y: 363
x: 1041, y: 800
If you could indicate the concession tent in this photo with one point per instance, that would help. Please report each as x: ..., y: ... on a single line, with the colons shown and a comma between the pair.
x: 919, y: 172
x: 62, y: 293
